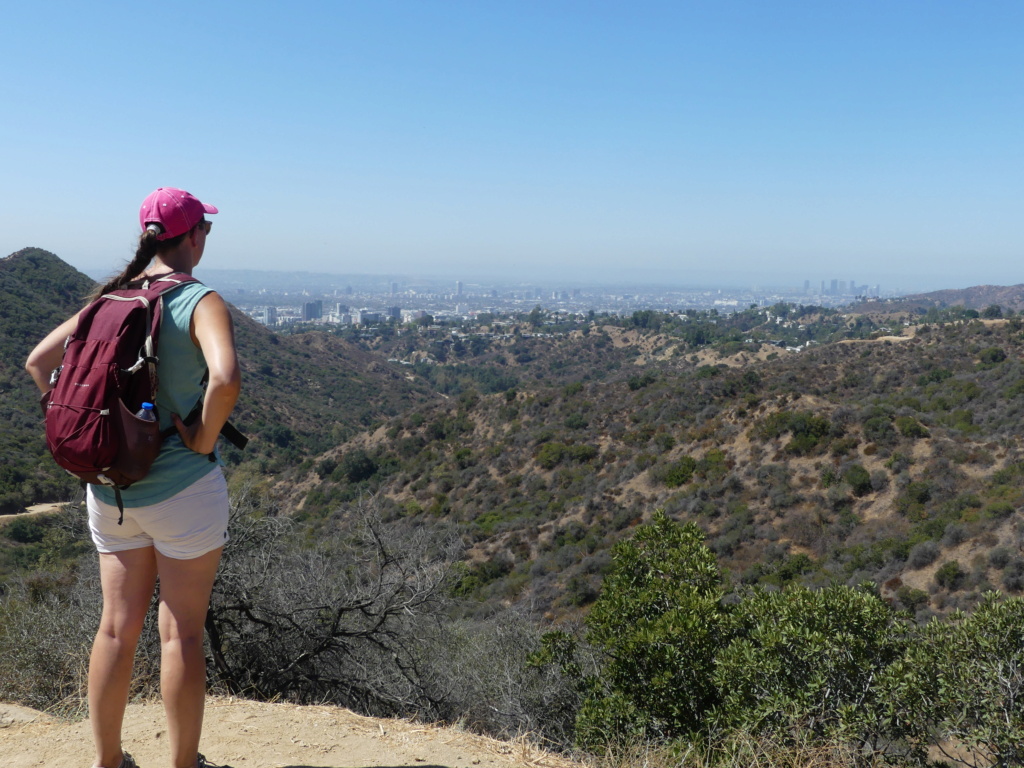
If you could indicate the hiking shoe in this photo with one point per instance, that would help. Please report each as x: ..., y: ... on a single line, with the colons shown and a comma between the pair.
x: 202, y: 762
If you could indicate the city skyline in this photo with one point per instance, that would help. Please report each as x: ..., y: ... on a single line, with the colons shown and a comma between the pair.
x: 308, y: 283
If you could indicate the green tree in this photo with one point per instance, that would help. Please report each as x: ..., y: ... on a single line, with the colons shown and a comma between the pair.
x: 660, y: 622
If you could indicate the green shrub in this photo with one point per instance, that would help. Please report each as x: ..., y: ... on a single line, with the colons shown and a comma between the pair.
x: 911, y: 502
x: 664, y: 441
x: 582, y: 453
x: 641, y: 381
x: 576, y: 421
x: 992, y: 356
x: 550, y: 455
x: 679, y: 472
x: 355, y: 466
x: 809, y: 658
x: 910, y: 427
x: 911, y: 598
x: 999, y: 510
x: 959, y: 682
x: 859, y: 479
x: 878, y: 429
x: 807, y: 430
x: 950, y: 575
x: 572, y: 388
x: 844, y: 445
x: 26, y: 530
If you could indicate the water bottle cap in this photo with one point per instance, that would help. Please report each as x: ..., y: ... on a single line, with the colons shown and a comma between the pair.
x: 147, y: 406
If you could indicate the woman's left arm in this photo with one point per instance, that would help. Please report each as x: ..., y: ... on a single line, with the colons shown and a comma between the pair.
x: 49, y: 352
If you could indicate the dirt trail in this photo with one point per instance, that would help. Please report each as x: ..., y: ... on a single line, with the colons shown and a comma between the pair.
x: 246, y: 734
x: 35, y: 509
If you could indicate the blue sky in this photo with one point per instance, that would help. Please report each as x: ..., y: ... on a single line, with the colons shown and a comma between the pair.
x: 682, y: 142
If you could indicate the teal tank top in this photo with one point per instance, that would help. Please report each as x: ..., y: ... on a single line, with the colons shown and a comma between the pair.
x: 180, y: 371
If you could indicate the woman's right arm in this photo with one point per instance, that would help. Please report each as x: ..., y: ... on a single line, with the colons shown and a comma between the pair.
x: 49, y: 352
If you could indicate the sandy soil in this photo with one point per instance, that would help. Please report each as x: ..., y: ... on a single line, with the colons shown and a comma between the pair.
x: 247, y: 734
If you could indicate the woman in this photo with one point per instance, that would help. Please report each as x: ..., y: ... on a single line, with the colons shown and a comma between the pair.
x: 175, y: 519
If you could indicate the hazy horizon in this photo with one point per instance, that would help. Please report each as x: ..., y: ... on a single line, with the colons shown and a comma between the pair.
x: 729, y: 144
x: 560, y: 282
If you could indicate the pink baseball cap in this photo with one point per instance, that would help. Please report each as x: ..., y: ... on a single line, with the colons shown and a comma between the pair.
x: 175, y: 210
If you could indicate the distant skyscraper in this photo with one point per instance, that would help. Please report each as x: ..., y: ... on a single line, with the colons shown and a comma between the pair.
x: 312, y: 310
x: 458, y: 287
x: 835, y: 287
x: 394, y: 289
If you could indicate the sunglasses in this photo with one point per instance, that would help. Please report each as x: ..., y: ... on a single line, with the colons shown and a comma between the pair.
x: 207, y: 225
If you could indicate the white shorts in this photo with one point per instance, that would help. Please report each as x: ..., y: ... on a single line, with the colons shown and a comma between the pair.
x: 185, y: 526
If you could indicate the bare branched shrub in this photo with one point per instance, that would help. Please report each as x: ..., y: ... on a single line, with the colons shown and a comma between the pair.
x: 363, y: 618
x: 343, y: 619
x: 48, y: 620
x: 46, y: 630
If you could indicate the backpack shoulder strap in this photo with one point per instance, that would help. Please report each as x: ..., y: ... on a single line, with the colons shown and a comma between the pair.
x: 157, y: 286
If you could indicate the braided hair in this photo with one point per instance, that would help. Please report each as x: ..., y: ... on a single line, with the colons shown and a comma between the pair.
x: 149, y: 247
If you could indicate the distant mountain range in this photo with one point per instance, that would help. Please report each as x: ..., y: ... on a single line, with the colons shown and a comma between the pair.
x: 977, y: 297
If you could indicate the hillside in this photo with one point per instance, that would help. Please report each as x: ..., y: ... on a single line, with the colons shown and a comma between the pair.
x: 865, y: 455
x: 37, y: 292
x: 895, y: 460
x: 300, y: 393
x: 978, y: 298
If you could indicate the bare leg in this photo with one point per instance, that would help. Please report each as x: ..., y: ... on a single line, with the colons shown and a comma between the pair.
x: 185, y: 587
x: 127, y: 579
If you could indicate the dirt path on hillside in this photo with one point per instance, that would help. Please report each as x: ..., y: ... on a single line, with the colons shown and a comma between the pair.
x: 35, y: 509
x: 247, y: 734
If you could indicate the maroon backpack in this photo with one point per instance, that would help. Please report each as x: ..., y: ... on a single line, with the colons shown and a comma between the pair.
x: 108, y: 371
